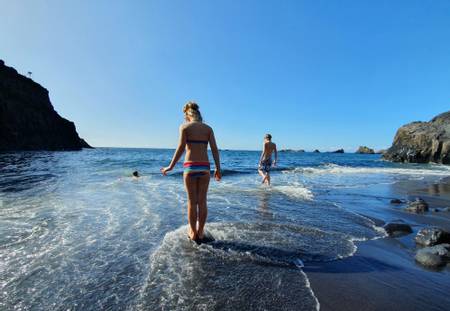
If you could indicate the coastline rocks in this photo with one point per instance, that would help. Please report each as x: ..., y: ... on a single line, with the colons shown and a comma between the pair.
x: 422, y: 142
x: 397, y: 229
x: 417, y: 206
x: 365, y: 150
x: 432, y: 236
x: 28, y: 120
x: 433, y: 256
x: 339, y: 151
x: 316, y: 151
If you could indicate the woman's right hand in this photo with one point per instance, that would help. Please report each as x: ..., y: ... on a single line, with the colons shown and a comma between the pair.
x: 164, y: 170
x: 217, y: 175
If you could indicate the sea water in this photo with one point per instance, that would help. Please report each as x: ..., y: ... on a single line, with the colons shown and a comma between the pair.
x: 77, y: 232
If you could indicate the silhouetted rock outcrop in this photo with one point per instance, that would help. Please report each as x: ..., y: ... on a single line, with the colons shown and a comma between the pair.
x: 339, y: 151
x: 422, y: 142
x: 27, y: 118
x: 365, y: 150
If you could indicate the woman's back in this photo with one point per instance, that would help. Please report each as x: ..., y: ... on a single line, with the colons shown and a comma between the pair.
x: 197, y: 136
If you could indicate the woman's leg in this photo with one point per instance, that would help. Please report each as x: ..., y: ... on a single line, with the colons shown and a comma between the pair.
x: 202, y: 191
x: 190, y: 184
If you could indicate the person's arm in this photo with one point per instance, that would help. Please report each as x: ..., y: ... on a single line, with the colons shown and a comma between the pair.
x: 215, y: 153
x: 276, y: 155
x: 178, y: 152
x: 263, y: 152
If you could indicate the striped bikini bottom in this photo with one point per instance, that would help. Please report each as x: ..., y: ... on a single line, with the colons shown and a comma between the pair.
x: 196, y: 169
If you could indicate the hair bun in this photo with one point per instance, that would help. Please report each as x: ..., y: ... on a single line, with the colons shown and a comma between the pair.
x: 192, y: 105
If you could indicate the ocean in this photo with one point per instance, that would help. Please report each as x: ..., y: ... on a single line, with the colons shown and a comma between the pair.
x: 77, y: 232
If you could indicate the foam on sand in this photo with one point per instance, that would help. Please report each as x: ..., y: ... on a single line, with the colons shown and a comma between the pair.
x: 432, y: 170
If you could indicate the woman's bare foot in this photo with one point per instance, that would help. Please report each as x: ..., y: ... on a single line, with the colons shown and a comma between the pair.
x: 200, y: 234
x: 192, y: 235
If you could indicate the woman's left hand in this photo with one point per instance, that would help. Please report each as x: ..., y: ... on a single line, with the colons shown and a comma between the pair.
x: 164, y: 170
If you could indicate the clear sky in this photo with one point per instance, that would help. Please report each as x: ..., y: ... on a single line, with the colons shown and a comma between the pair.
x: 315, y: 74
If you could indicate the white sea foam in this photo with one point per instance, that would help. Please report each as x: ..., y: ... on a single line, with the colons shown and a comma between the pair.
x: 295, y: 190
x: 432, y: 170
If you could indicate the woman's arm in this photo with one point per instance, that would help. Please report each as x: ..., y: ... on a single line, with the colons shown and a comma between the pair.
x: 178, y: 152
x: 215, y: 153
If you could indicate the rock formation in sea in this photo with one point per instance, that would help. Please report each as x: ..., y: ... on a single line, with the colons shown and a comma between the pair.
x: 316, y: 151
x: 365, y: 150
x: 422, y: 142
x: 28, y: 120
x: 339, y: 151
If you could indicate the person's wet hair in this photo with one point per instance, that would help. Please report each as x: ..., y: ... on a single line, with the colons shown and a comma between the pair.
x: 268, y: 136
x: 136, y: 174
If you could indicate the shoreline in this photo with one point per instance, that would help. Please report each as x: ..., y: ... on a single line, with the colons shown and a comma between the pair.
x: 383, y: 274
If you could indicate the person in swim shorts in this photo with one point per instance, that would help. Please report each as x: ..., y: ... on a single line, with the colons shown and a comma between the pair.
x: 194, y: 138
x: 265, y: 161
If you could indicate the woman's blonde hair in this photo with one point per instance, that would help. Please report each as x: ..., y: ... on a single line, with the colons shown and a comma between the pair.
x: 192, y: 110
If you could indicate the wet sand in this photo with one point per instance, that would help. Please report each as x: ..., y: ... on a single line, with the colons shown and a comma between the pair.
x: 382, y: 274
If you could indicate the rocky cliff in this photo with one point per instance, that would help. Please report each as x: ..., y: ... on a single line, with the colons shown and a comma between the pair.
x: 422, y: 142
x: 27, y: 118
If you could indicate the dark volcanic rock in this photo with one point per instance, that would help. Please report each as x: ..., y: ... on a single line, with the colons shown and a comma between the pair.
x: 422, y: 142
x: 432, y: 236
x: 417, y: 206
x: 397, y: 229
x: 27, y: 118
x: 339, y: 151
x: 365, y: 150
x: 433, y: 256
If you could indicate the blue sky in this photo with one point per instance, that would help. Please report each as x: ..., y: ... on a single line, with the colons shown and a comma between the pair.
x: 315, y: 74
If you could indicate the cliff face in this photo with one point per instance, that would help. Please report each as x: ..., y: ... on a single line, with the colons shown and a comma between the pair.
x: 422, y: 142
x: 27, y: 118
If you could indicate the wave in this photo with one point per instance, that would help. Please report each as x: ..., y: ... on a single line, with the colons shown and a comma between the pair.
x: 246, y: 260
x: 433, y: 170
x: 296, y: 191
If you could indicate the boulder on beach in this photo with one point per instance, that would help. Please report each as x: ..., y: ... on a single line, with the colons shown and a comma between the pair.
x: 365, y: 150
x: 395, y: 229
x: 417, y: 206
x: 338, y: 151
x: 432, y: 236
x: 28, y: 120
x: 422, y: 142
x: 433, y: 256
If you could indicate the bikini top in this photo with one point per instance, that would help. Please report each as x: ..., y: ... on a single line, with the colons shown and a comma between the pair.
x: 192, y: 141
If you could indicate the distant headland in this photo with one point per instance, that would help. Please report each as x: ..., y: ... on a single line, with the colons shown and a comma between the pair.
x: 28, y: 120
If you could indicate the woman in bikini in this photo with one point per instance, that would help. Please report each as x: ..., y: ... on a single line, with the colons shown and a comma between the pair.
x: 194, y: 137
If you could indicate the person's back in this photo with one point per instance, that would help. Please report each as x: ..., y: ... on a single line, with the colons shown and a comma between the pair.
x: 265, y: 161
x: 269, y: 148
x: 198, y: 135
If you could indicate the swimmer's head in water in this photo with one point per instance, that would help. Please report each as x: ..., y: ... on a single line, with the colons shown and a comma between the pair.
x: 268, y: 137
x: 135, y: 174
x: 192, y: 112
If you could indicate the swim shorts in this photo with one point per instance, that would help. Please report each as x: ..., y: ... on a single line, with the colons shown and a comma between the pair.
x: 265, y: 165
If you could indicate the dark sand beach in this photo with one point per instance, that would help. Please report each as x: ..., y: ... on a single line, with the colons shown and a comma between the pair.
x: 383, y: 274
